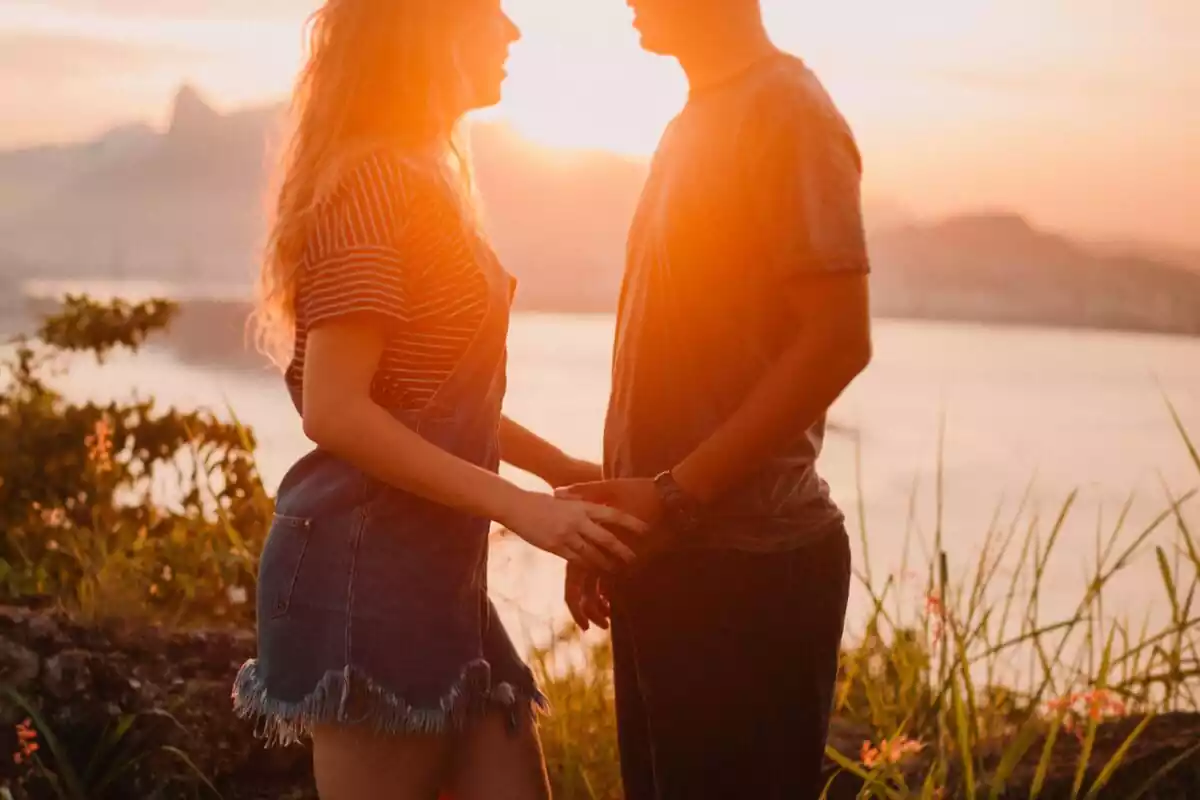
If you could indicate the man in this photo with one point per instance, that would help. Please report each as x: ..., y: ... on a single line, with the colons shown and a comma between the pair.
x: 743, y: 316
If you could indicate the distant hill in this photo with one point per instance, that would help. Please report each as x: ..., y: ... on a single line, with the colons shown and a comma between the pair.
x: 996, y: 267
x: 185, y: 206
x: 1179, y: 256
x: 176, y: 205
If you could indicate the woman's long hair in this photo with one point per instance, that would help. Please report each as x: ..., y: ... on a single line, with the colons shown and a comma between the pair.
x: 378, y: 73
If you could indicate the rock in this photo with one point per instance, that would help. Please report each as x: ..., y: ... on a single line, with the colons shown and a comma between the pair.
x: 68, y: 673
x: 83, y: 677
x: 45, y: 628
x: 19, y: 666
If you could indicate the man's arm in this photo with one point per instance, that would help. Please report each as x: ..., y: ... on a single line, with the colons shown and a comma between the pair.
x: 804, y: 238
x: 832, y: 348
x: 525, y: 450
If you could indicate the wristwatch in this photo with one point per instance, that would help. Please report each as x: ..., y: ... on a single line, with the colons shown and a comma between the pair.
x: 681, y: 511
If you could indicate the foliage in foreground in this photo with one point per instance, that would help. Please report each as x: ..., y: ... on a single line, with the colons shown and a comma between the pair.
x: 121, y: 509
x: 958, y: 678
x: 980, y: 681
x: 129, y: 741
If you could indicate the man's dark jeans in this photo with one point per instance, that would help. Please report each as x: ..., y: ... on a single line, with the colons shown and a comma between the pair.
x: 725, y: 664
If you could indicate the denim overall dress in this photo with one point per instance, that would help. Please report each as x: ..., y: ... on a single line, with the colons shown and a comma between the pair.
x: 372, y: 601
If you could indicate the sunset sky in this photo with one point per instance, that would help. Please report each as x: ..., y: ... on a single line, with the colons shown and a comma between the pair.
x: 1080, y: 113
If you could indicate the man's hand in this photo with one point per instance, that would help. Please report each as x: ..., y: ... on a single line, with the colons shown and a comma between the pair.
x: 585, y: 598
x: 637, y: 497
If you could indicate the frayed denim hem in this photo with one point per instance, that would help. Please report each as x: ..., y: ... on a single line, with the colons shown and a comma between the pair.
x: 352, y: 698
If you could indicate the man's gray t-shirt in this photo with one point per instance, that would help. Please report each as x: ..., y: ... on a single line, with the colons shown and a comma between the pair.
x: 754, y: 190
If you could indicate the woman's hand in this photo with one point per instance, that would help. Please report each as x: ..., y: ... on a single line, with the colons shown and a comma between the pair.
x: 573, y: 529
x: 572, y: 471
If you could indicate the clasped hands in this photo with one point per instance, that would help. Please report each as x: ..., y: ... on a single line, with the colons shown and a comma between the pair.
x: 585, y: 592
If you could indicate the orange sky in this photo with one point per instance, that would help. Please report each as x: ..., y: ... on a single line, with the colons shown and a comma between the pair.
x: 1081, y: 113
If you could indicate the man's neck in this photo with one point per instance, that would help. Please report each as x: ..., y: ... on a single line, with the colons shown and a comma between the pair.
x: 725, y: 55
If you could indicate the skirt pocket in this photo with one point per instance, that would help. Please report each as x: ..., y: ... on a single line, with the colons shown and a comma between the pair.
x: 279, y: 567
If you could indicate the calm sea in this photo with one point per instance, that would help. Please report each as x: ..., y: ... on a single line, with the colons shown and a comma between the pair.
x: 1048, y: 411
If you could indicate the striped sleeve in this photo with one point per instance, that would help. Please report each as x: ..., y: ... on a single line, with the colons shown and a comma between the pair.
x: 356, y: 266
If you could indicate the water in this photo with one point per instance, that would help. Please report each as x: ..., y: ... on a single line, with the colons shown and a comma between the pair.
x: 1020, y: 407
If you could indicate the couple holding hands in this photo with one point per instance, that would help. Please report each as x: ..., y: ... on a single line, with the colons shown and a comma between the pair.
x: 706, y: 541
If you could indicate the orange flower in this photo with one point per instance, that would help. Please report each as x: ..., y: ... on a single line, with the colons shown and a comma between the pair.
x: 869, y: 755
x: 1060, y: 705
x: 890, y: 751
x: 99, y: 445
x: 936, y: 610
x: 1101, y: 702
x: 1095, y: 704
x: 27, y: 743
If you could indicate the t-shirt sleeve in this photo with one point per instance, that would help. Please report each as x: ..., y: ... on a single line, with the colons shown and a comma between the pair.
x: 357, y: 265
x: 807, y: 200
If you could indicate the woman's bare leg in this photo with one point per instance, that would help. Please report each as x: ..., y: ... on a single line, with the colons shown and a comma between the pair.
x: 359, y: 764
x: 492, y: 762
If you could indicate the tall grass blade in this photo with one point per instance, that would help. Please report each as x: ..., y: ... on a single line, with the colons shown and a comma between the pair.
x: 186, y: 760
x: 1117, y: 759
x: 1183, y: 433
x: 1013, y: 754
x: 1089, y: 739
x: 108, y: 743
x: 962, y: 726
x: 1165, y: 770
x: 861, y: 502
x: 1189, y: 542
x: 1043, y: 767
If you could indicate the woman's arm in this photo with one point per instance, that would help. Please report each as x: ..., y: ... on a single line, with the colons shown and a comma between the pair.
x: 527, y: 451
x: 340, y: 416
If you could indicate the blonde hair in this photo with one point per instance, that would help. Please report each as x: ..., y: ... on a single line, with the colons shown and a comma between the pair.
x: 378, y: 73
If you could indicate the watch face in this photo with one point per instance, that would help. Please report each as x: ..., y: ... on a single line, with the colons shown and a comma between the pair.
x: 679, y: 506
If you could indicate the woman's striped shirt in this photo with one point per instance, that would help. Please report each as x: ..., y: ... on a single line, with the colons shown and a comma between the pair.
x: 389, y: 245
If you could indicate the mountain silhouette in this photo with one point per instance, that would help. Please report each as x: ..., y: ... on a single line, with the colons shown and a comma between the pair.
x: 185, y: 206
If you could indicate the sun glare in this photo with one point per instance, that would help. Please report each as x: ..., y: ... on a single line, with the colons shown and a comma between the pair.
x: 942, y: 93
x: 579, y: 80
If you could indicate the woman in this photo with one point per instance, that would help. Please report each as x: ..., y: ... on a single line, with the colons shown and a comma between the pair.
x: 375, y: 634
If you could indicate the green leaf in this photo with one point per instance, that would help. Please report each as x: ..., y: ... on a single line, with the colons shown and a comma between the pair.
x: 1012, y: 756
x: 963, y: 734
x: 108, y: 743
x: 1182, y: 430
x: 1117, y: 758
x: 1039, y: 776
x: 1164, y: 570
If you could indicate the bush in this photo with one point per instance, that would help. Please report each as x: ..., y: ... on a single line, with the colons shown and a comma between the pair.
x: 80, y: 508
